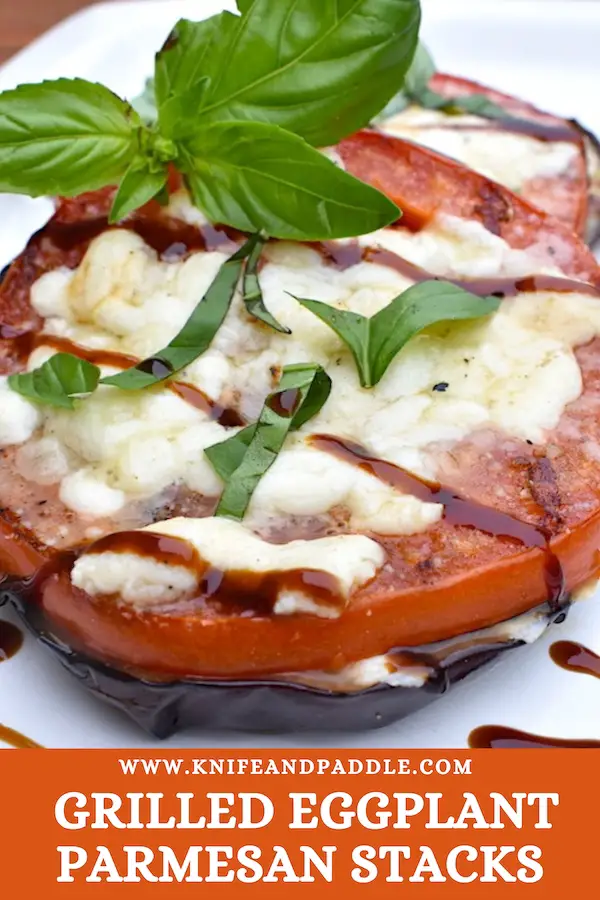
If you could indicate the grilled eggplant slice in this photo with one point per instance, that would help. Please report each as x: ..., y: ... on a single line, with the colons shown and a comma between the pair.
x: 552, y: 162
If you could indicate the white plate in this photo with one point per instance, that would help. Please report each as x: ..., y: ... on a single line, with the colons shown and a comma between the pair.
x: 546, y: 52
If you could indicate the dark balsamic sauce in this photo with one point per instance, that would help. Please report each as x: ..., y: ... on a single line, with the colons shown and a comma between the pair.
x: 350, y: 254
x: 11, y: 640
x: 575, y: 657
x: 245, y: 591
x: 498, y: 737
x: 16, y: 739
x: 285, y: 403
x: 156, y: 366
x: 457, y: 510
x: 569, y: 655
x: 171, y: 239
x: 192, y: 395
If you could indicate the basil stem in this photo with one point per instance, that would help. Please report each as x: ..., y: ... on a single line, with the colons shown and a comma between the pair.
x: 243, y: 459
x: 252, y: 293
x: 197, y: 333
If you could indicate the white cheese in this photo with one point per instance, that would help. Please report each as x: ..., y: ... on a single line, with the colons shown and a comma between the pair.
x: 18, y: 417
x: 514, y: 371
x: 133, y: 579
x: 350, y: 559
x: 385, y: 669
x: 87, y: 495
x: 44, y: 461
x: 511, y: 159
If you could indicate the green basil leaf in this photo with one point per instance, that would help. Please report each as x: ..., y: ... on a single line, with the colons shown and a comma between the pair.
x: 302, y: 392
x: 64, y: 137
x: 57, y: 382
x: 227, y: 456
x: 145, y: 103
x: 319, y: 68
x: 421, y: 71
x: 258, y: 177
x: 252, y: 293
x: 374, y: 342
x: 316, y: 385
x: 139, y: 185
x: 480, y: 105
x: 197, y: 333
x: 180, y: 64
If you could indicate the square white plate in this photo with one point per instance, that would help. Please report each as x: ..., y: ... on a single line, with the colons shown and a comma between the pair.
x: 544, y: 51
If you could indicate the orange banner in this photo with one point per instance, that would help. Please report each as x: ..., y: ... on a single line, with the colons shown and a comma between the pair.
x: 268, y: 823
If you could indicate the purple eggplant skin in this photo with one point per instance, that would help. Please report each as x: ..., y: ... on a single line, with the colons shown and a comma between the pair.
x: 592, y: 155
x: 269, y: 707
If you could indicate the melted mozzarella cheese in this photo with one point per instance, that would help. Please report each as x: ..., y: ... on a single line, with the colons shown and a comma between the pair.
x: 351, y: 559
x: 18, y: 417
x: 514, y: 370
x: 510, y: 159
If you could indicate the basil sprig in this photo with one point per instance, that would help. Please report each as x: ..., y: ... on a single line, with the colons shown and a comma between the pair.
x: 240, y: 99
x: 374, y: 342
x: 416, y: 90
x: 196, y: 335
x: 60, y: 381
x: 242, y: 460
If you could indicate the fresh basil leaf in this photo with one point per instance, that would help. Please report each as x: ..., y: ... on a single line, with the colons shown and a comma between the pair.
x: 64, y: 137
x: 227, y: 456
x: 374, y: 342
x: 174, y: 114
x: 181, y: 62
x: 480, y: 105
x: 139, y: 185
x: 318, y: 388
x: 244, y: 5
x: 320, y: 69
x: 145, y: 103
x: 57, y: 382
x: 421, y: 71
x: 302, y: 392
x: 197, y: 333
x: 252, y: 293
x: 258, y: 177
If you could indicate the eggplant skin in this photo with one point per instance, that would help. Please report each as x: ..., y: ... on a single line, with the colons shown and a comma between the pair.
x: 164, y: 708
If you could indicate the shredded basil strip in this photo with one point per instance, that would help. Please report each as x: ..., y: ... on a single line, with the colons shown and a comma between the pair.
x: 197, y: 333
x: 374, y: 342
x: 252, y: 293
x: 58, y: 382
x: 242, y: 460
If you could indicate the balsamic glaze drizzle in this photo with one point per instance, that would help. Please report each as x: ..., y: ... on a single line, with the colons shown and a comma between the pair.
x: 457, y: 510
x: 575, y: 657
x: 498, y: 737
x: 11, y: 640
x: 17, y: 740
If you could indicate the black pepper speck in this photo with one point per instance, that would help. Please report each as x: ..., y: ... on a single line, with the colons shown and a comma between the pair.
x: 441, y: 386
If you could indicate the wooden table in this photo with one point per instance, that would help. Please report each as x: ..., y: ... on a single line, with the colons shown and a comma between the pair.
x: 23, y: 20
